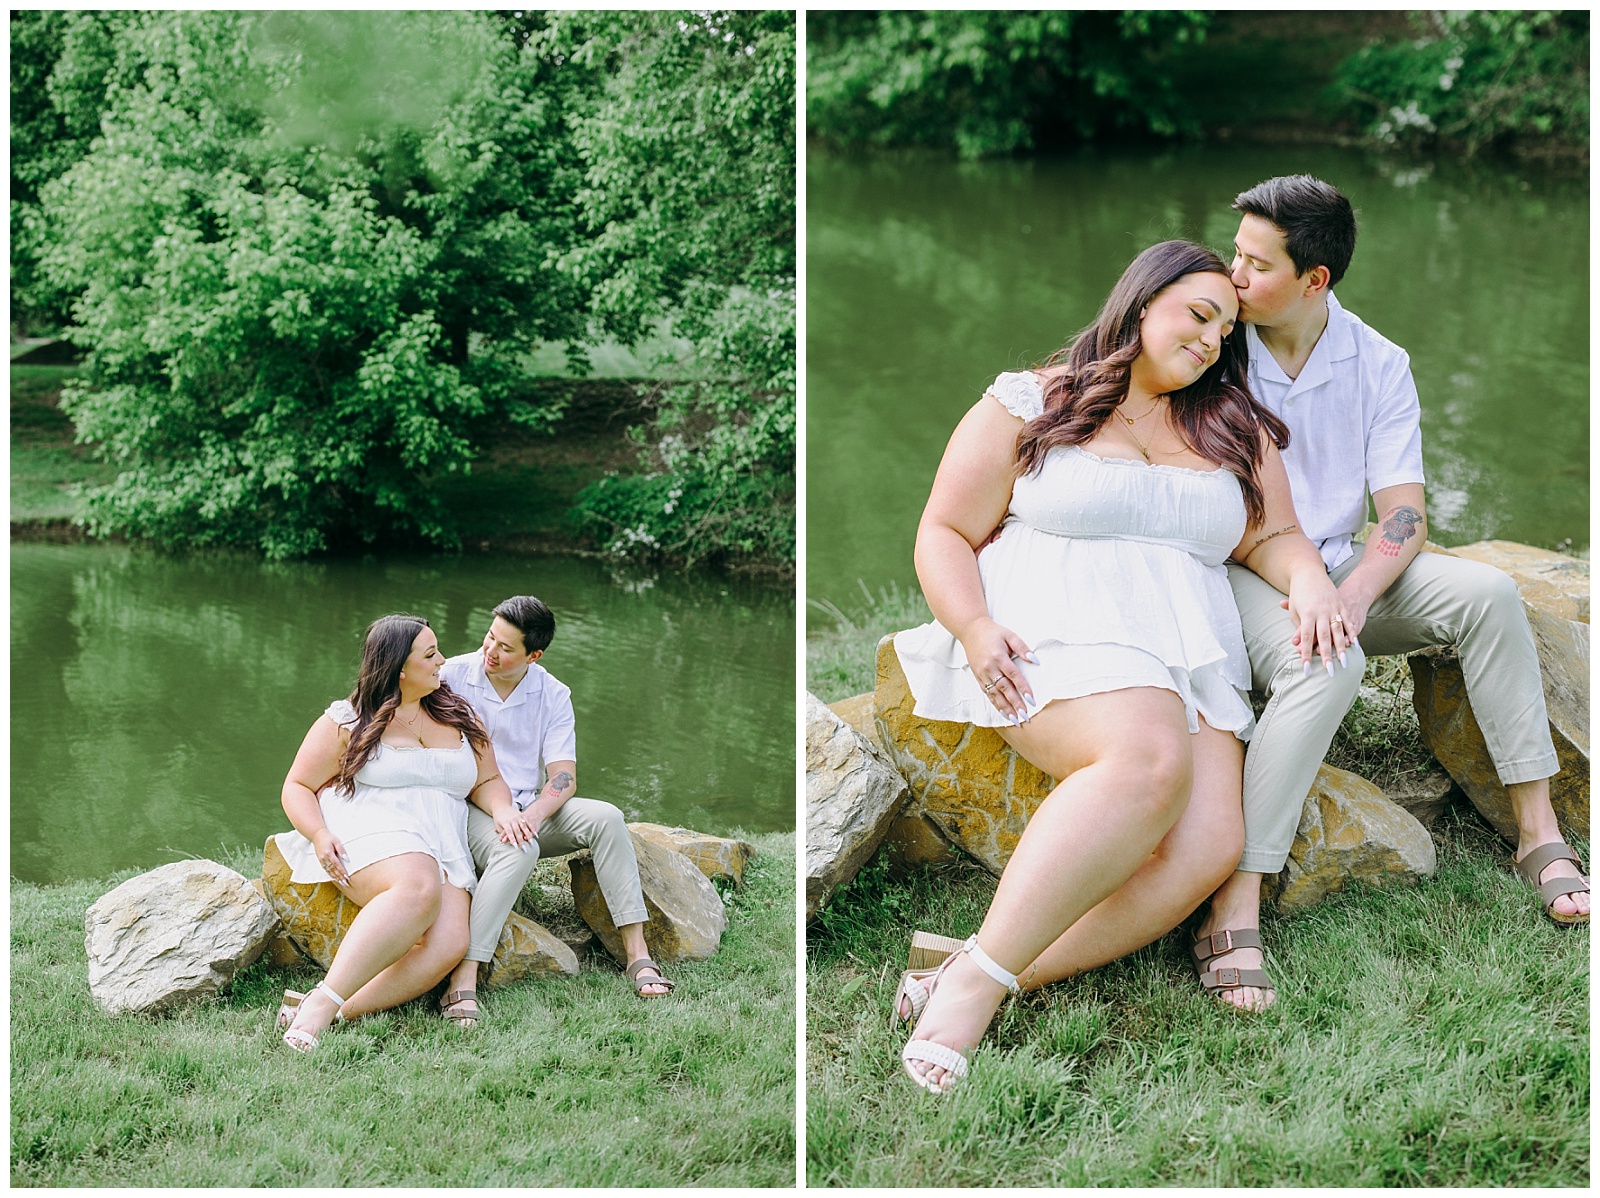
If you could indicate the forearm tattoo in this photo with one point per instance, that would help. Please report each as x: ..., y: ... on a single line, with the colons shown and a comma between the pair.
x: 559, y: 785
x: 1262, y: 541
x: 1398, y: 527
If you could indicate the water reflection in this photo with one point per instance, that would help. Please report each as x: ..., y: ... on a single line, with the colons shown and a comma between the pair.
x: 157, y: 702
x: 926, y: 278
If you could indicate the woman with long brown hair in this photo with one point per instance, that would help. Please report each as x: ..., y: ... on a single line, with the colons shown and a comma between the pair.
x: 377, y: 795
x: 1095, y: 629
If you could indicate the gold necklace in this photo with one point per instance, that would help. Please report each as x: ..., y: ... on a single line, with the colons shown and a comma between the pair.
x: 1131, y: 420
x: 412, y: 724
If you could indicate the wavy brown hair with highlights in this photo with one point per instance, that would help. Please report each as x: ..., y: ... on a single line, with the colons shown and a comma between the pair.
x: 1216, y: 415
x: 377, y: 696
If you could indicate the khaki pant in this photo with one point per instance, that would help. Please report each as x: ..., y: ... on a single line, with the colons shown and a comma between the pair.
x: 503, y: 869
x: 1438, y: 601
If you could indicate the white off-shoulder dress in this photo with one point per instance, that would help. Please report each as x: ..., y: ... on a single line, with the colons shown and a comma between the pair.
x: 1112, y: 572
x: 405, y: 801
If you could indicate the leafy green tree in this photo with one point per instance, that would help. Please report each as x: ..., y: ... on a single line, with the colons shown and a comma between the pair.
x: 986, y: 83
x: 61, y: 67
x: 688, y: 196
x: 306, y: 251
x: 1476, y: 80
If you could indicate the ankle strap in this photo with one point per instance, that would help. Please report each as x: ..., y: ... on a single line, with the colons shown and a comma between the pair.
x: 987, y: 963
x: 328, y: 990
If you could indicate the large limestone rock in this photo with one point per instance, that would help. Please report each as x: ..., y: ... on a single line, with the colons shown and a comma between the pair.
x: 714, y: 856
x: 1350, y: 831
x: 686, y: 914
x: 175, y: 934
x: 317, y: 915
x: 1555, y: 595
x: 913, y: 839
x: 528, y: 950
x: 852, y: 795
x: 973, y: 786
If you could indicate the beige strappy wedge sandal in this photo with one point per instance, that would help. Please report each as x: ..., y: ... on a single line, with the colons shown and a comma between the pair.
x: 928, y: 951
x: 301, y: 1040
x: 930, y: 1052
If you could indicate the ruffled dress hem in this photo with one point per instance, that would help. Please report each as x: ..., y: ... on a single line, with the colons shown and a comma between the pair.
x: 947, y: 691
x: 369, y: 849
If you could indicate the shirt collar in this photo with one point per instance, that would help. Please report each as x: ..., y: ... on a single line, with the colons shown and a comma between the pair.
x: 1337, y: 342
x: 521, y: 693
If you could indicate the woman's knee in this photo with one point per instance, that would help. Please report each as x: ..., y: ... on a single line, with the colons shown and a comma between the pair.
x: 418, y: 889
x: 1157, y: 769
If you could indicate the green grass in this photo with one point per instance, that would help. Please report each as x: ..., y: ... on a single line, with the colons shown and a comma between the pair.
x: 566, y: 1082
x: 841, y: 645
x: 46, y: 466
x: 1432, y: 1035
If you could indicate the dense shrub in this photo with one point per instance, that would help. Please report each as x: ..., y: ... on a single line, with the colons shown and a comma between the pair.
x: 986, y: 83
x: 1476, y: 80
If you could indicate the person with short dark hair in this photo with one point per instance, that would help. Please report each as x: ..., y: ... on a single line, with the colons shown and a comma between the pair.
x: 1348, y: 398
x: 529, y: 718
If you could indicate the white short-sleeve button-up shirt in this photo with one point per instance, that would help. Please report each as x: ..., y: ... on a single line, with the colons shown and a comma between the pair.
x: 1355, y: 425
x: 529, y: 728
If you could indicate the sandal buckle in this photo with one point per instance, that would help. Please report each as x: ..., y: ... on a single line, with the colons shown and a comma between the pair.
x: 1228, y: 977
x: 1221, y: 942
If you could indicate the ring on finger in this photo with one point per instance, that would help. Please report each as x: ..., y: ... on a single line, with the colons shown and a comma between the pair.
x: 989, y: 689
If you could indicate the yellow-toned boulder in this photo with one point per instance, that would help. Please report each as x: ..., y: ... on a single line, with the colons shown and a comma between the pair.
x: 316, y: 916
x: 687, y: 918
x: 281, y: 952
x: 1350, y: 832
x: 714, y: 856
x: 1555, y: 595
x: 973, y: 786
x: 914, y: 840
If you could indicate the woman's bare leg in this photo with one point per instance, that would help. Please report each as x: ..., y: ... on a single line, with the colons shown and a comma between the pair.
x: 1191, y: 861
x: 399, y: 899
x: 438, y: 952
x: 1125, y: 762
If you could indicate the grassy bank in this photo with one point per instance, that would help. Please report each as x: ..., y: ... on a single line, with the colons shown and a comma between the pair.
x: 1431, y: 1035
x: 566, y: 1082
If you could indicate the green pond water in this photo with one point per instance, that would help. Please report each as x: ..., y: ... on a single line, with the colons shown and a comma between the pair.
x: 157, y: 702
x: 926, y: 278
